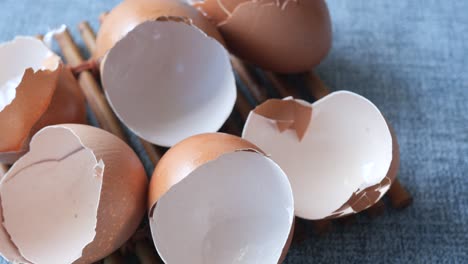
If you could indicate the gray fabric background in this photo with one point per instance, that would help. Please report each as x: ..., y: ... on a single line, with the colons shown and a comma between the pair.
x: 411, y: 59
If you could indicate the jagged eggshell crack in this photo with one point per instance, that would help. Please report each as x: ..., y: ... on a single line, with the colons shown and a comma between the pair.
x: 45, y: 94
x: 75, y: 197
x: 343, y: 164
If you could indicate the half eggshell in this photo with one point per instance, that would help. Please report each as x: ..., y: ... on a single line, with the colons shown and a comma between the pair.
x: 75, y: 197
x: 339, y: 153
x: 278, y: 35
x: 36, y: 90
x: 218, y: 199
x: 167, y: 80
x: 128, y: 14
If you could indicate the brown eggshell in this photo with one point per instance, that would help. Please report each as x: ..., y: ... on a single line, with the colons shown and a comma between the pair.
x: 33, y: 109
x: 170, y: 171
x: 229, y: 192
x: 122, y: 193
x: 130, y: 13
x: 284, y: 36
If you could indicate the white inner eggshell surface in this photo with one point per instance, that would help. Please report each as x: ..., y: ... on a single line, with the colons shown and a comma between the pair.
x: 17, y: 56
x: 168, y: 80
x: 50, y: 198
x: 235, y: 209
x: 347, y: 147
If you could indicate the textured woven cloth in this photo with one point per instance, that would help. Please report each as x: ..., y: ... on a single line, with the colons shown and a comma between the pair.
x: 411, y: 59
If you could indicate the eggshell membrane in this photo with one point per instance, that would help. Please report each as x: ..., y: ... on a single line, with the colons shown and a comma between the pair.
x: 346, y: 149
x: 165, y: 96
x: 43, y: 97
x: 284, y: 36
x: 220, y: 201
x: 99, y: 211
x: 128, y: 14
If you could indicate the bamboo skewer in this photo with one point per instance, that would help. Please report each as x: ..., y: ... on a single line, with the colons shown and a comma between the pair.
x: 90, y: 87
x: 256, y: 90
x: 88, y: 36
x: 3, y: 170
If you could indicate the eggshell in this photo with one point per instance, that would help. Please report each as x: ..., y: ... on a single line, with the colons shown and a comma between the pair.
x: 36, y: 90
x: 124, y: 17
x: 278, y: 35
x: 218, y: 199
x: 75, y: 197
x: 167, y: 80
x: 338, y: 153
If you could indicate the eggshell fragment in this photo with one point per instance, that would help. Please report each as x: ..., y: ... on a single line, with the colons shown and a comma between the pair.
x: 278, y: 35
x: 342, y: 161
x: 218, y: 199
x: 124, y: 17
x: 75, y: 197
x: 35, y: 90
x: 167, y: 80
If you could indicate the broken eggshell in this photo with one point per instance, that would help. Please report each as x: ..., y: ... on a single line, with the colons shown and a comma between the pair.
x: 284, y: 36
x: 75, y: 197
x: 36, y: 90
x: 339, y: 153
x: 221, y: 200
x: 167, y: 80
x: 130, y: 13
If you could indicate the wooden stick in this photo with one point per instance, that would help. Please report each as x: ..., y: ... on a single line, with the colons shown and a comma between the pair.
x: 376, y: 210
x: 243, y: 106
x: 321, y: 227
x: 94, y: 89
x: 90, y: 87
x: 257, y: 91
x: 88, y: 36
x: 400, y: 198
x: 316, y: 87
x: 283, y: 89
x: 3, y: 170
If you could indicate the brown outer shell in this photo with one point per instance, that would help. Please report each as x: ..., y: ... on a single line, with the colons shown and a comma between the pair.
x: 124, y: 17
x: 214, y: 11
x: 369, y: 196
x: 293, y: 36
x: 42, y: 98
x: 184, y: 157
x: 187, y: 155
x: 123, y: 193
